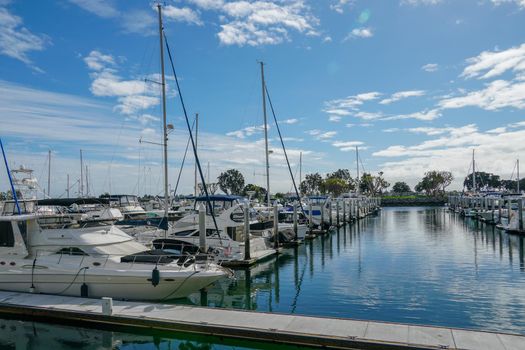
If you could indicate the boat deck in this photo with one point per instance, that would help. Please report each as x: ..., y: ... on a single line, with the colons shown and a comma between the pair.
x: 289, y: 329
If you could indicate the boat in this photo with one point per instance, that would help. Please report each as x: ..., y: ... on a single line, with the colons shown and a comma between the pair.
x: 226, y: 243
x: 96, y: 261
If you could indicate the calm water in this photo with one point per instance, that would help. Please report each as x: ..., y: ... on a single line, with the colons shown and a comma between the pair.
x: 411, y: 265
x: 26, y: 335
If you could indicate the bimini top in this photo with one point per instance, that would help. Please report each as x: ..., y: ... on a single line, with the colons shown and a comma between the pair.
x: 219, y: 197
x: 317, y: 197
x: 117, y: 196
x: 66, y: 202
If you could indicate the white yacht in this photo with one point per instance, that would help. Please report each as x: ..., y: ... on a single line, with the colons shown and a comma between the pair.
x: 228, y: 243
x: 97, y: 261
x: 320, y: 211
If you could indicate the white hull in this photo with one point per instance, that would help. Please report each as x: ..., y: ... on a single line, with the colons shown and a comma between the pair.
x: 132, y: 283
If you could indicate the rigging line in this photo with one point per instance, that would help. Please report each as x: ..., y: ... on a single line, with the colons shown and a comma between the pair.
x: 191, y: 134
x: 183, y: 160
x: 284, y: 148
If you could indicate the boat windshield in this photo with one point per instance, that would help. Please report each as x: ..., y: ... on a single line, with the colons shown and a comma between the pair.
x: 121, y: 248
x: 26, y: 207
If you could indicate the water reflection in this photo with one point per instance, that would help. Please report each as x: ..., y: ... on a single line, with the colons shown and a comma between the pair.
x: 26, y: 335
x: 416, y: 265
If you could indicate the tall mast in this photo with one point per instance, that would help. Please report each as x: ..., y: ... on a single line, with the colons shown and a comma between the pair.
x: 165, y: 127
x: 473, y: 171
x: 87, y: 182
x: 196, y: 143
x: 357, y: 165
x: 300, y: 168
x: 81, y: 175
x: 67, y: 188
x: 49, y: 174
x: 518, y: 168
x: 268, y: 202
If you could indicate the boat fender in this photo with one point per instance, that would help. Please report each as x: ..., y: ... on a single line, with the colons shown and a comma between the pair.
x: 84, y: 290
x: 155, y: 277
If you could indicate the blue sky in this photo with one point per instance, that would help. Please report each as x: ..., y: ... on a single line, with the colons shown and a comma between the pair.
x: 416, y: 84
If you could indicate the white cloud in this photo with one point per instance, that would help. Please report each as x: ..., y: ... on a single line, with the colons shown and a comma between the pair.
x: 426, y: 115
x: 321, y: 135
x: 248, y: 131
x: 346, y: 106
x: 101, y: 8
x: 490, y: 64
x: 16, y: 41
x: 327, y: 39
x: 132, y: 95
x: 430, y: 67
x: 495, y: 152
x: 402, y: 95
x: 346, y: 146
x: 420, y: 2
x: 290, y: 121
x: 261, y: 22
x: 184, y: 14
x: 340, y: 5
x: 519, y: 3
x: 496, y: 95
x: 362, y: 32
x: 335, y: 118
x: 326, y: 135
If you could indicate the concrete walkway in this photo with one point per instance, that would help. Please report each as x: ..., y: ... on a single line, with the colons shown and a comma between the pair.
x: 289, y: 329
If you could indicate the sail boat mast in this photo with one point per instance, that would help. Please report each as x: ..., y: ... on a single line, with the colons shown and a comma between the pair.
x: 196, y: 146
x: 473, y: 171
x: 518, y: 170
x: 357, y: 166
x: 81, y: 175
x: 268, y: 201
x: 49, y: 174
x: 300, y: 168
x: 164, y: 125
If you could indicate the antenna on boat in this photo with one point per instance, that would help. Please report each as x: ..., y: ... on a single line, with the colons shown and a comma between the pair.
x: 10, y: 179
x: 164, y: 222
x: 267, y: 154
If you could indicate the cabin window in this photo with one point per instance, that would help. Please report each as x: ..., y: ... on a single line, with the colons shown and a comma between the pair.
x: 71, y: 251
x: 7, y: 238
x: 211, y: 232
x: 184, y: 233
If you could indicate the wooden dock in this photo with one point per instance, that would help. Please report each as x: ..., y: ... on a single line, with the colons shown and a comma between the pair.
x: 266, y: 327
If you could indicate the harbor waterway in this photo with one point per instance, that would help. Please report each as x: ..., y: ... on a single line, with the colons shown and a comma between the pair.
x: 411, y: 265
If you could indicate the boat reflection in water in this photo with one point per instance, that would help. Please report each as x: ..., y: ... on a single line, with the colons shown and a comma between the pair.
x: 409, y: 265
x: 26, y: 335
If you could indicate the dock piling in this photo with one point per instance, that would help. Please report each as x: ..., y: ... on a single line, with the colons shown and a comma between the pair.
x: 247, y: 233
x: 275, y: 227
x: 202, y: 229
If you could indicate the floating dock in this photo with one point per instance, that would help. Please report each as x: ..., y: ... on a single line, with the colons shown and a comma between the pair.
x: 318, y: 332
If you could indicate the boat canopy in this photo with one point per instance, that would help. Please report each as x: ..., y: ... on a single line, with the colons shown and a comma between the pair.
x: 219, y: 197
x: 66, y: 202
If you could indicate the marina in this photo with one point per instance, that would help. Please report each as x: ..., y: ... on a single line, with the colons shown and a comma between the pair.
x: 262, y: 174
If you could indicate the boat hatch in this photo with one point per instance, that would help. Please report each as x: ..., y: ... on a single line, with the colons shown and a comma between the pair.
x: 72, y: 251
